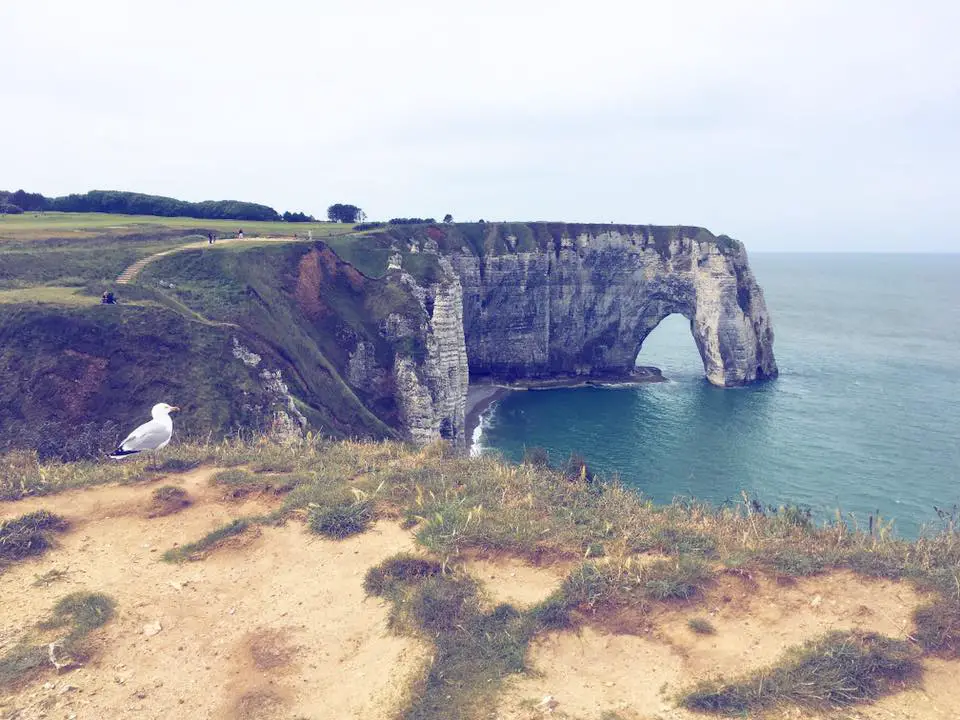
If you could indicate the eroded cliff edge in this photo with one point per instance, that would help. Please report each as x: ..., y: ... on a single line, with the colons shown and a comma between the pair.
x: 377, y: 337
x: 547, y: 300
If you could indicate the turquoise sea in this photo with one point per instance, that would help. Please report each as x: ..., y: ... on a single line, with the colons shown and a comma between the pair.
x: 864, y: 417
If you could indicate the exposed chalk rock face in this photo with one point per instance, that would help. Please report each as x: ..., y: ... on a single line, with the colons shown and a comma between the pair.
x: 431, y: 390
x: 545, y: 300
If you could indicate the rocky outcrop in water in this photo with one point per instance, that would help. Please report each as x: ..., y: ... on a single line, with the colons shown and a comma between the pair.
x: 549, y: 300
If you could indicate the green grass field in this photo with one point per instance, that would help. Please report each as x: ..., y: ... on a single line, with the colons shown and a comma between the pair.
x: 33, y: 226
x: 54, y: 294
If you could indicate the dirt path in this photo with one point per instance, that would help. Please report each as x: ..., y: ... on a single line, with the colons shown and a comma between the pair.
x: 130, y: 274
x: 273, y: 625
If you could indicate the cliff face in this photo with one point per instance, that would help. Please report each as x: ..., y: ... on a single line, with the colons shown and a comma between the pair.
x: 431, y: 390
x: 290, y: 337
x: 546, y: 301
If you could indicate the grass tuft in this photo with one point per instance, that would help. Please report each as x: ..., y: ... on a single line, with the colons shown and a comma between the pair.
x: 167, y: 500
x: 20, y: 475
x: 382, y: 579
x: 553, y: 613
x: 701, y: 626
x: 21, y: 662
x: 50, y: 577
x: 794, y: 563
x: 28, y: 535
x: 938, y: 627
x: 177, y: 465
x: 677, y: 580
x: 242, y: 482
x: 195, y: 549
x: 341, y: 520
x: 475, y: 649
x: 841, y: 668
x: 82, y: 611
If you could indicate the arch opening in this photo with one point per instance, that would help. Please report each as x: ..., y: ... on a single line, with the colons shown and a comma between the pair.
x: 671, y: 346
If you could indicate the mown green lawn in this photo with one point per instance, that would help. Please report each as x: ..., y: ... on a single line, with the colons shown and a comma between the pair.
x: 35, y: 226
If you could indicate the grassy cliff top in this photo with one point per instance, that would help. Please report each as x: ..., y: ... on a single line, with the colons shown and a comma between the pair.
x: 834, y: 615
x: 43, y: 226
x: 500, y: 238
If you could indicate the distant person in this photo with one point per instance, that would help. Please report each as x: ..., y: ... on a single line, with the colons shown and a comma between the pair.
x: 108, y: 299
x: 210, y: 238
x: 309, y: 234
x: 240, y: 234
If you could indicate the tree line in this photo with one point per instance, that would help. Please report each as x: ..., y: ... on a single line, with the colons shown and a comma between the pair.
x: 131, y: 203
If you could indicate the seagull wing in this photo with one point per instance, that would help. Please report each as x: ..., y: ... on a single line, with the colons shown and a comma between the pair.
x: 152, y: 435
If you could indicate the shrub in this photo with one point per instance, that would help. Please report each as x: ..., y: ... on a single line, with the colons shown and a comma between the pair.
x: 576, y: 469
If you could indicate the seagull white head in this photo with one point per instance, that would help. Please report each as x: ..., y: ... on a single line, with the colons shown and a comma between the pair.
x: 162, y: 409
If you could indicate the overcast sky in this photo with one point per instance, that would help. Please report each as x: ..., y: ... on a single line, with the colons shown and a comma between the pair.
x: 795, y: 124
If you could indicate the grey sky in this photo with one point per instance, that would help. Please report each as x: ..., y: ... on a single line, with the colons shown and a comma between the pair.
x: 821, y: 124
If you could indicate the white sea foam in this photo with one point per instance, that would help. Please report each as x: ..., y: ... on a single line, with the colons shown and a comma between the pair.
x: 476, y: 441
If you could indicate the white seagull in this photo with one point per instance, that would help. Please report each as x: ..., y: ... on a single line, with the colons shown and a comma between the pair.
x: 151, y: 435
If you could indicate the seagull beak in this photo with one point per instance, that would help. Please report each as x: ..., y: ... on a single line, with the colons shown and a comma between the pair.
x: 174, y: 409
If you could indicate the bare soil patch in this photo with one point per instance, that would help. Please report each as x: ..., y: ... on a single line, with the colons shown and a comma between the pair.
x: 512, y: 580
x: 275, y: 627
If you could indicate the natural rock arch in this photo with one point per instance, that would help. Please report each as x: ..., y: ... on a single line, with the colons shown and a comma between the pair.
x: 584, y: 306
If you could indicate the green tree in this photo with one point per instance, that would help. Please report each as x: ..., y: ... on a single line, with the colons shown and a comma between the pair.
x: 448, y: 218
x: 342, y: 213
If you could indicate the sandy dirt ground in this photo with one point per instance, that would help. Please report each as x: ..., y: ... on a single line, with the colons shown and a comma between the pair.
x: 511, y: 580
x: 637, y: 671
x: 273, y: 625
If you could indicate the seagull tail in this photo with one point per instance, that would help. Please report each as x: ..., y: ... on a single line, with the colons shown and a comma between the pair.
x: 120, y: 453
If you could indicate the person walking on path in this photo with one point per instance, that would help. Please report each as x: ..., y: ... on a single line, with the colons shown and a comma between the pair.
x: 240, y: 234
x: 210, y: 238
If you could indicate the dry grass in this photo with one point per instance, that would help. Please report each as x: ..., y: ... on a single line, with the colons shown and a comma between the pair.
x: 28, y: 535
x: 167, y: 500
x: 634, y: 554
x: 839, y: 669
x: 59, y: 641
x: 195, y: 550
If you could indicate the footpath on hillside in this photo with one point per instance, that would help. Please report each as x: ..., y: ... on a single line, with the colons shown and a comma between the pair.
x: 130, y: 274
